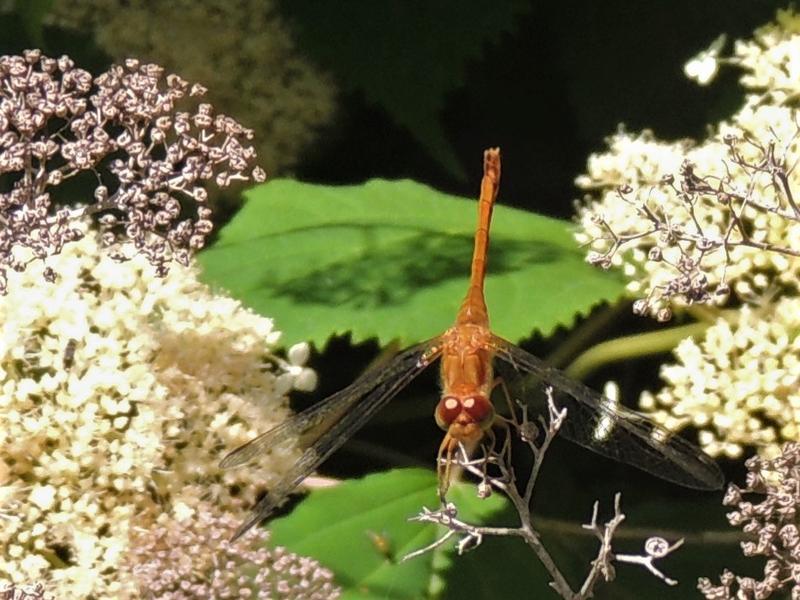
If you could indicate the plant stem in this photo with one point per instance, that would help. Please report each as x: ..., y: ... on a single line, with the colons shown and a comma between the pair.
x: 632, y: 346
x: 585, y: 332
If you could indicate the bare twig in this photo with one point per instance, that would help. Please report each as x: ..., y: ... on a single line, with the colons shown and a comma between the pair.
x: 495, y: 471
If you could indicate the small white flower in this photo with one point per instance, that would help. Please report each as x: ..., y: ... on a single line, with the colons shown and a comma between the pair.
x: 34, y: 564
x: 704, y: 66
x: 298, y: 354
x: 182, y: 511
x: 306, y: 380
x: 43, y: 496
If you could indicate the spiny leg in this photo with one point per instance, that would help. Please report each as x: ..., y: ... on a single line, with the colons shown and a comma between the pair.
x: 444, y: 459
x: 501, y: 383
x: 507, y: 423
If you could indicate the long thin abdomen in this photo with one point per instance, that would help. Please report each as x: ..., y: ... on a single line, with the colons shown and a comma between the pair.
x: 473, y: 309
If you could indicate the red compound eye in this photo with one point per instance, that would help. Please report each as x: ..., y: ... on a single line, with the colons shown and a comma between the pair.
x: 480, y: 409
x: 446, y: 411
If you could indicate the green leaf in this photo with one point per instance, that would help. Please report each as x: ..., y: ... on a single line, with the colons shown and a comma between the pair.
x: 501, y: 567
x: 390, y: 50
x: 390, y: 259
x: 338, y: 526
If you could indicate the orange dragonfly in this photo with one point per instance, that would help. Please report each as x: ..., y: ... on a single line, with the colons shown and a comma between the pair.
x: 465, y: 412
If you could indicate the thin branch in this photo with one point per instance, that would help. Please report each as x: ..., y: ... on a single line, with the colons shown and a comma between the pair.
x: 494, y: 471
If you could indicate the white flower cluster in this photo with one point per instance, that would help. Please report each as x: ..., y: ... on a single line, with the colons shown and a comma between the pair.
x: 738, y: 385
x: 119, y: 392
x: 680, y: 244
x: 771, y: 60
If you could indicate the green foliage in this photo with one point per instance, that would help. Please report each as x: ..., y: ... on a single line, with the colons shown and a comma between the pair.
x: 337, y: 526
x: 501, y: 567
x: 390, y: 259
x: 385, y: 51
x: 31, y: 13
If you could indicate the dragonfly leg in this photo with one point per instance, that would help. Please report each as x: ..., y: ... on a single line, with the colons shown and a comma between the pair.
x: 501, y: 456
x: 444, y: 460
x: 501, y: 383
x: 488, y: 450
x: 510, y: 423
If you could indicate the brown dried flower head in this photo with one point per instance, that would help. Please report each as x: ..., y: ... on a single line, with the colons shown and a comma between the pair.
x: 150, y: 159
x: 188, y: 556
x: 24, y: 592
x: 770, y: 525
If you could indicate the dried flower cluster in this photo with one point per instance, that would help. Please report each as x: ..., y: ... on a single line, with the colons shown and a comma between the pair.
x: 771, y: 528
x: 697, y: 222
x: 149, y: 159
x: 738, y: 384
x: 187, y: 556
x: 24, y: 592
x: 265, y: 80
x: 120, y: 390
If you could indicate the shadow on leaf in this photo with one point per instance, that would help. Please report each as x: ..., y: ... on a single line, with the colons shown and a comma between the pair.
x: 383, y: 274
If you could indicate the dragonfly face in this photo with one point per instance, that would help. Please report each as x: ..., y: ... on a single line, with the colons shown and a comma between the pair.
x: 465, y: 411
x: 464, y: 419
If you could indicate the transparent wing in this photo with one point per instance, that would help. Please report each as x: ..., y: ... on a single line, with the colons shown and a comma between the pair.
x: 328, y: 424
x: 614, y: 431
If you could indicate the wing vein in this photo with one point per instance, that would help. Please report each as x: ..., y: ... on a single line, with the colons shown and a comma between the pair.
x: 356, y: 403
x: 595, y: 423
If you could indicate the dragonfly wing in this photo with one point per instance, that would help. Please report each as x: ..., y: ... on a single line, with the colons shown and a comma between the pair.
x: 331, y: 422
x: 594, y: 422
x: 292, y: 429
x: 315, y: 420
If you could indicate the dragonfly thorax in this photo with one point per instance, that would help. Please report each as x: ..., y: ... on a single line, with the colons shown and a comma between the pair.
x: 466, y: 361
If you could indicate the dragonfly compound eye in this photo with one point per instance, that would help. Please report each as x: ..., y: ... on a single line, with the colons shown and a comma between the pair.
x: 447, y: 410
x: 481, y: 411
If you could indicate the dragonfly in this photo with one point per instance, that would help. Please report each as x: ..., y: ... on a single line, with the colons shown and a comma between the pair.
x: 467, y: 352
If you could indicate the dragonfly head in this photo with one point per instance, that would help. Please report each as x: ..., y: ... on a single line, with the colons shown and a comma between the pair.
x: 464, y: 419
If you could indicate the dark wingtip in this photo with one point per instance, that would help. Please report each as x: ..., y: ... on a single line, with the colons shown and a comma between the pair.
x: 707, y: 474
x: 719, y: 480
x: 226, y: 462
x: 261, y: 511
x: 245, y: 527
